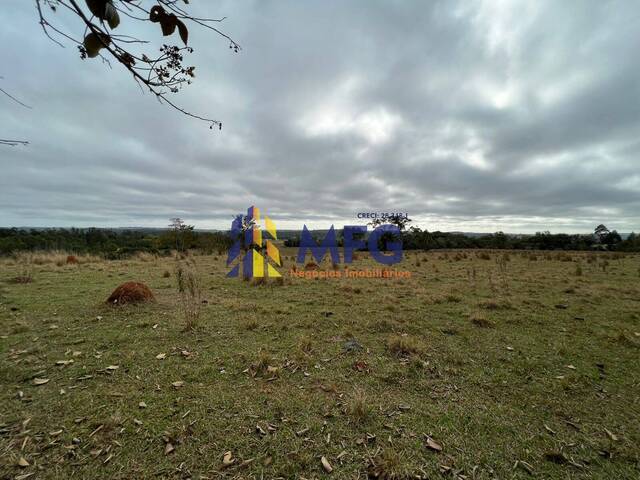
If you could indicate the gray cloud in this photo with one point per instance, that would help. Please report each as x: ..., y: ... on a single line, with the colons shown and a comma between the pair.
x: 518, y: 116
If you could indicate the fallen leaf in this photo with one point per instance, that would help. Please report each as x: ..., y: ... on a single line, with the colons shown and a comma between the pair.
x: 178, y: 384
x: 40, y: 381
x: 227, y: 459
x: 326, y: 465
x: 23, y: 463
x: 64, y: 362
x: 113, y: 367
x: 433, y: 445
x: 611, y: 435
x: 142, y: 405
x: 360, y: 366
x: 161, y: 356
x: 571, y: 367
x: 168, y: 448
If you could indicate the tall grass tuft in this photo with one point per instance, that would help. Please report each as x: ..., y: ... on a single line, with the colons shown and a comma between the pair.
x: 190, y: 294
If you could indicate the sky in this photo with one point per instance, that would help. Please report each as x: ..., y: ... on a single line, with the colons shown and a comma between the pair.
x: 480, y: 116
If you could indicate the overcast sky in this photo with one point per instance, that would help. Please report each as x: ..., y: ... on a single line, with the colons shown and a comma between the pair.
x: 477, y: 116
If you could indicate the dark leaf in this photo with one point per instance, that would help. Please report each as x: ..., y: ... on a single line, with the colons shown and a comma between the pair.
x: 111, y: 15
x: 157, y: 13
x: 184, y: 32
x: 97, y: 7
x: 93, y: 44
x: 168, y: 24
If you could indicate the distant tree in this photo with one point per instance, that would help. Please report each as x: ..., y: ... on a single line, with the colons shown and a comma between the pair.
x: 161, y: 73
x: 612, y: 238
x: 181, y: 231
x: 241, y: 225
x: 601, y: 233
x: 399, y: 221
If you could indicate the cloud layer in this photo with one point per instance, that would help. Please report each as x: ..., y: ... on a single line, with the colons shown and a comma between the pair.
x: 474, y: 116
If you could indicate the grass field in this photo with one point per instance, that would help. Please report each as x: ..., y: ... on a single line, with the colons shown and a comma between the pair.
x: 481, y: 365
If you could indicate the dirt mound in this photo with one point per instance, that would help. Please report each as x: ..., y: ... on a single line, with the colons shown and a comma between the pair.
x: 131, y: 292
x: 72, y: 260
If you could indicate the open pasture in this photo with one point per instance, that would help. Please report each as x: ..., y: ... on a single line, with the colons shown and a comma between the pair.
x: 483, y: 364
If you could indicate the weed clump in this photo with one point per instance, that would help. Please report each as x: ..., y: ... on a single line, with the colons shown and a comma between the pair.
x: 479, y: 320
x: 22, y: 279
x: 190, y: 295
x: 403, y: 346
x: 358, y: 407
x: 388, y: 465
x: 131, y: 292
x: 492, y: 304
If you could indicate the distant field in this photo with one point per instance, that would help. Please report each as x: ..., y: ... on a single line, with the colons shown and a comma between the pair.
x: 481, y: 365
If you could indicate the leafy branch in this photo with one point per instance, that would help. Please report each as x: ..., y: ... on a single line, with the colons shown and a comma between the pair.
x: 161, y: 74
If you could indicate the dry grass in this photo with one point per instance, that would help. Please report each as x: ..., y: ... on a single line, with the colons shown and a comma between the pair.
x: 404, y: 345
x: 189, y: 292
x: 358, y: 406
x: 55, y: 257
x: 480, y: 320
x: 389, y: 464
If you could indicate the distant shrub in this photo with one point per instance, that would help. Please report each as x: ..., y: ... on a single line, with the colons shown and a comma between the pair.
x: 453, y: 298
x: 492, y: 304
x: 258, y: 281
x: 21, y: 279
x: 72, y: 260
